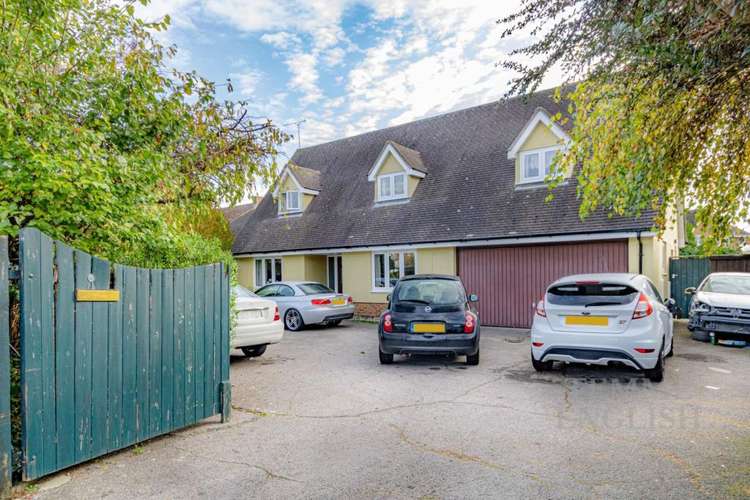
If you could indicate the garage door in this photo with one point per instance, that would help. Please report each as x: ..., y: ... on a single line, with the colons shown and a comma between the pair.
x: 509, y: 280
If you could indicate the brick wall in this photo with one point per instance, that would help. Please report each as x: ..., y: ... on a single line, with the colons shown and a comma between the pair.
x: 368, y: 310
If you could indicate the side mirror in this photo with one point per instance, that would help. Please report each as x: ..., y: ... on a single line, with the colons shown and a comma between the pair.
x: 473, y: 297
x: 690, y: 290
x: 671, y: 305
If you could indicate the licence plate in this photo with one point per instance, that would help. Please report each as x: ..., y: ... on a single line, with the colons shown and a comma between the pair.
x: 428, y: 328
x: 253, y: 314
x: 338, y: 301
x: 587, y: 320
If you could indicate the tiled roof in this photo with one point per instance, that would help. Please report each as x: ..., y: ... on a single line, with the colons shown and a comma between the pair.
x: 469, y: 191
x: 232, y: 213
x: 410, y: 156
x: 309, y: 178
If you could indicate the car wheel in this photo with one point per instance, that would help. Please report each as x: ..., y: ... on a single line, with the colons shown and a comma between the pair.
x: 335, y: 322
x: 385, y: 359
x: 671, y: 348
x: 293, y: 320
x: 254, y: 352
x: 472, y: 359
x: 700, y: 335
x: 541, y: 366
x: 656, y: 374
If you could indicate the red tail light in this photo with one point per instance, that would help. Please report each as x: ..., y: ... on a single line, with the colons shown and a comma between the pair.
x: 387, y: 324
x: 321, y: 302
x: 540, y: 308
x: 471, y: 322
x: 537, y: 344
x: 349, y: 300
x: 276, y: 315
x: 643, y: 350
x: 643, y: 308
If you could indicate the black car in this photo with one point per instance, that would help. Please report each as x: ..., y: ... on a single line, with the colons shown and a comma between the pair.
x: 429, y: 314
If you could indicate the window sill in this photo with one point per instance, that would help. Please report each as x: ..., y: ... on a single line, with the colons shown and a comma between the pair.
x: 534, y: 185
x: 381, y: 290
x: 296, y: 213
x: 394, y: 201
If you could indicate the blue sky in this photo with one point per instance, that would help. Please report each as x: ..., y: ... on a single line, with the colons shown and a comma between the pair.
x: 344, y: 66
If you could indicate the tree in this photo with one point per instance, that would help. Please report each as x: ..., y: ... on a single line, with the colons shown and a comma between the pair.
x: 659, y: 93
x: 102, y: 145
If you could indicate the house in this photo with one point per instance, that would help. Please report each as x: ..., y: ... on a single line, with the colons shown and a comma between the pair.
x: 740, y: 237
x: 461, y: 193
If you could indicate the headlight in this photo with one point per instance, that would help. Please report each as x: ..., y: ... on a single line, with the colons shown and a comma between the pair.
x: 699, y: 307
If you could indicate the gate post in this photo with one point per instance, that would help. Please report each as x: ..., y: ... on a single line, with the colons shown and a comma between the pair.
x: 6, y: 446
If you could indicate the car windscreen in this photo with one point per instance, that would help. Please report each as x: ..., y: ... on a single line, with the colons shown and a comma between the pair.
x: 433, y: 292
x: 591, y: 294
x: 314, y: 288
x: 739, y: 285
x: 242, y: 292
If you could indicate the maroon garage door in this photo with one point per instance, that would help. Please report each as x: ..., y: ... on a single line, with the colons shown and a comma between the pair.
x: 509, y: 280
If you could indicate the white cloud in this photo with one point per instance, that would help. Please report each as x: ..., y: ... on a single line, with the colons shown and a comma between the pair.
x: 281, y: 40
x: 245, y: 83
x: 303, y: 68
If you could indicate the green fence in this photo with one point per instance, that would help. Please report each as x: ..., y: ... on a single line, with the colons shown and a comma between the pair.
x: 112, y: 355
x: 684, y: 273
x: 6, y: 448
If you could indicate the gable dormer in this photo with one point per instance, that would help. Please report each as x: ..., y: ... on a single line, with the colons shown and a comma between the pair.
x: 296, y: 188
x: 396, y: 172
x: 536, y: 146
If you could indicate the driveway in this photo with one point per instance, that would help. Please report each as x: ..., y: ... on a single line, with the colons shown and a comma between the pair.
x: 318, y: 417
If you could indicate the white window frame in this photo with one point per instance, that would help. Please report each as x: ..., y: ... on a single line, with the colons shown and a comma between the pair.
x: 540, y: 153
x: 263, y: 270
x: 298, y: 196
x: 387, y: 270
x: 392, y: 183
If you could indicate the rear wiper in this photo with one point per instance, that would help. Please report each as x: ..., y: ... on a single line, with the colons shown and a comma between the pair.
x: 416, y: 301
x: 602, y: 304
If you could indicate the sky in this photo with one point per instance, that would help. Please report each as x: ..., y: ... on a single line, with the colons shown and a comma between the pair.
x: 344, y: 66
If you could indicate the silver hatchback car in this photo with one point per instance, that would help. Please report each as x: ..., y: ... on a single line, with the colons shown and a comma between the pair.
x: 308, y: 303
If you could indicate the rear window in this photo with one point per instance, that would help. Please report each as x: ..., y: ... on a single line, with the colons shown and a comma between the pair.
x: 313, y: 288
x: 602, y: 294
x: 430, y: 292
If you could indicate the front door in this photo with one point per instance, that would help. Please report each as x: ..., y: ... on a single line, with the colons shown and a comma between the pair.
x: 334, y: 273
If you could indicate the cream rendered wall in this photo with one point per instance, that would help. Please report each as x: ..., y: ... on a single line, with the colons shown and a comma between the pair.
x: 356, y: 270
x: 245, y: 266
x: 392, y: 166
x: 315, y: 268
x: 293, y: 267
x: 436, y: 260
x: 540, y: 137
x: 656, y: 254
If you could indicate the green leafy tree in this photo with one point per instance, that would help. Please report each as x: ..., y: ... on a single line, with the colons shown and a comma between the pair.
x: 660, y: 106
x: 106, y: 147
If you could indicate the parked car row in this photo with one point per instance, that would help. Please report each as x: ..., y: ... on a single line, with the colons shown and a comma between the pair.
x: 263, y: 315
x: 595, y: 319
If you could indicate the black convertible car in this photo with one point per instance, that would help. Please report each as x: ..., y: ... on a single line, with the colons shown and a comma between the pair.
x: 429, y: 314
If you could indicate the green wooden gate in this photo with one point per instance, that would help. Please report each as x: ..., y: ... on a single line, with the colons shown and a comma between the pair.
x: 684, y: 273
x: 112, y: 355
x: 6, y: 448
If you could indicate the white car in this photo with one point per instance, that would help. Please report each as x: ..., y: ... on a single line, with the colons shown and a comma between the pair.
x: 720, y: 308
x: 603, y: 319
x: 258, y: 323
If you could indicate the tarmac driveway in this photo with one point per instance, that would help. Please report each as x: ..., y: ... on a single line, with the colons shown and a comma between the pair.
x: 317, y: 416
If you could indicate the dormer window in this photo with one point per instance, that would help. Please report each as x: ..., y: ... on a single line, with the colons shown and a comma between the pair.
x: 396, y: 172
x: 536, y: 164
x: 296, y: 189
x: 535, y: 148
x: 391, y: 187
x: 291, y: 201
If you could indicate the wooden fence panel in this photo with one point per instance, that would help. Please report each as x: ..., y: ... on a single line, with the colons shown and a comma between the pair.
x: 145, y: 354
x: 6, y: 447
